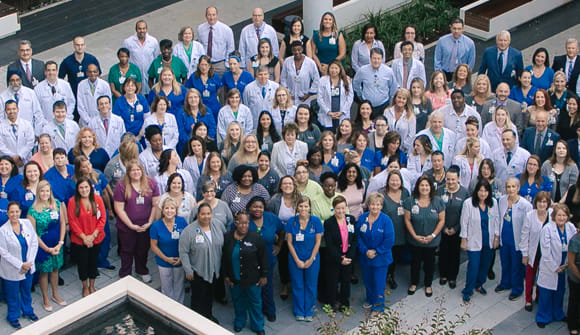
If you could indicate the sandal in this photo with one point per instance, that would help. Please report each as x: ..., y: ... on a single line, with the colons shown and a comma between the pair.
x: 411, y: 292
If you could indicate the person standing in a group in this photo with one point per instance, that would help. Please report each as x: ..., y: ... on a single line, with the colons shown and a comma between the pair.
x: 143, y: 48
x: 217, y: 38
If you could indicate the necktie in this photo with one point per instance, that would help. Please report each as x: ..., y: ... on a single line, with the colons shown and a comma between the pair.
x: 16, y: 97
x: 283, y: 116
x: 14, y: 130
x: 52, y: 89
x: 60, y: 129
x: 500, y: 62
x: 258, y: 33
x: 509, y: 157
x: 453, y: 59
x: 210, y: 41
x: 28, y: 73
x: 106, y: 125
x: 538, y: 144
x: 405, y: 74
x: 570, y: 66
x: 92, y: 86
x: 263, y: 92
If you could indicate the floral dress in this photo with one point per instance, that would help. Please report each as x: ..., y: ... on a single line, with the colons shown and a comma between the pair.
x: 48, y: 230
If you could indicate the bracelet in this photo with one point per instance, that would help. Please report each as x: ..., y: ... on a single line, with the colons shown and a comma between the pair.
x: 433, y: 235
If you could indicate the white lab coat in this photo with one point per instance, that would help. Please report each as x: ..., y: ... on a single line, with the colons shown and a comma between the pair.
x: 87, y: 102
x: 283, y: 160
x: 71, y: 130
x: 324, y: 98
x: 530, y: 236
x: 466, y: 173
x: 11, y: 252
x: 226, y: 116
x: 516, y: 166
x: 190, y: 165
x: 551, y: 246
x: 493, y: 137
x: 300, y: 83
x: 254, y: 100
x: 449, y: 140
x: 484, y: 148
x: 169, y: 128
x: 187, y: 181
x: 277, y: 116
x: 379, y: 181
x: 197, y: 50
x: 28, y: 107
x: 249, y: 41
x: 109, y: 141
x: 142, y: 55
x: 417, y: 71
x: 415, y: 168
x: 519, y: 211
x: 20, y: 145
x: 47, y: 99
x: 150, y: 162
x: 407, y: 128
x: 471, y: 225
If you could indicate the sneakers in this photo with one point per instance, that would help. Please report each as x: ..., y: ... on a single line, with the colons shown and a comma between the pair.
x: 481, y: 290
x: 146, y: 278
x: 299, y: 318
x: 366, y: 305
x: 466, y: 298
x: 308, y: 319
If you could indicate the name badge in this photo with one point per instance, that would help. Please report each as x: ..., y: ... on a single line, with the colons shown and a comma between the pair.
x: 175, y: 235
x: 334, y: 161
x: 445, y: 198
x: 299, y: 237
x: 53, y: 215
x: 448, y: 101
x: 205, y: 93
x: 80, y: 74
x: 415, y: 209
x: 335, y: 92
x: 332, y: 41
x: 350, y: 228
x: 549, y: 143
x: 98, y: 214
x: 132, y: 118
x: 118, y: 173
x: 140, y: 200
x: 363, y: 228
x: 29, y: 196
x: 98, y: 193
x: 237, y: 199
x: 255, y: 64
x: 122, y: 80
x: 400, y: 211
x: 3, y: 195
x: 248, y: 244
x: 565, y: 247
x: 159, y: 70
x: 198, y: 238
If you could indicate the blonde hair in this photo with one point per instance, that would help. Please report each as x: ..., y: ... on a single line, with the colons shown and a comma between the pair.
x: 374, y: 197
x: 78, y: 143
x: 143, y: 182
x: 289, y: 103
x: 468, y: 145
x: 228, y: 142
x: 206, y: 168
x: 176, y: 87
x: 244, y: 157
x: 508, y: 120
x: 52, y: 202
x: 334, y: 26
x: 168, y: 201
x: 558, y: 73
x: 409, y: 114
x: 487, y: 82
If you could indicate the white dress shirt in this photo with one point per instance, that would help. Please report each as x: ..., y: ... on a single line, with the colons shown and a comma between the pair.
x: 67, y: 142
x: 256, y: 102
x: 249, y: 41
x: 28, y: 107
x: 302, y: 82
x: 87, y: 102
x: 222, y: 40
x: 110, y: 140
x: 142, y: 55
x: 63, y: 92
x: 168, y: 127
x: 324, y: 98
x: 19, y: 144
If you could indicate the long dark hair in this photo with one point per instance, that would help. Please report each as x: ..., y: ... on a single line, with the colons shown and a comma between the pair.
x: 475, y: 198
x: 14, y: 169
x: 358, y: 121
x: 489, y: 163
x: 187, y: 151
x: 25, y: 181
x: 164, y: 160
x: 271, y: 130
x: 91, y: 197
x: 432, y: 192
x: 343, y: 183
x: 310, y: 115
x: 170, y: 180
x: 391, y: 137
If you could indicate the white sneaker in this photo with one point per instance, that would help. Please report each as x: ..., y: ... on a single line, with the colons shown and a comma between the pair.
x: 146, y: 278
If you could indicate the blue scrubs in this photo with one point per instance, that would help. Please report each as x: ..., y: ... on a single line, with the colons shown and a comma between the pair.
x: 479, y: 261
x: 186, y: 123
x: 368, y: 159
x: 176, y: 101
x: 98, y: 158
x: 304, y: 281
x: 270, y: 228
x: 75, y: 71
x: 62, y: 188
x: 379, y: 161
x: 380, y: 237
x: 529, y: 191
x: 512, y: 269
x: 551, y: 303
x: 133, y: 115
x: 208, y: 91
x: 17, y: 293
x: 24, y: 197
x: 336, y: 163
x: 518, y: 95
x: 243, y: 81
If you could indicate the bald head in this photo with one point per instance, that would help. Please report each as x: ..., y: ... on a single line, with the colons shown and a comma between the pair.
x: 502, y: 91
x: 258, y: 17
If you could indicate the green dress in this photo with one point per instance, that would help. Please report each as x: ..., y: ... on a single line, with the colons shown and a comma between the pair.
x: 48, y: 230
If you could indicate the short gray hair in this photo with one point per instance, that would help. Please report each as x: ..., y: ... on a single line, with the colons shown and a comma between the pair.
x: 25, y: 42
x: 571, y: 40
x: 504, y: 33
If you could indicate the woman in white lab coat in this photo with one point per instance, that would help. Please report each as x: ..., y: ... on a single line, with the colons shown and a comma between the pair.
x: 188, y: 50
x: 512, y: 211
x: 468, y: 161
x: 479, y: 236
x: 166, y: 121
x: 530, y: 241
x: 335, y: 96
x: 554, y: 240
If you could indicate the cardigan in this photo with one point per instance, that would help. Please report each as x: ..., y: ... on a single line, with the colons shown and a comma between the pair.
x: 253, y: 259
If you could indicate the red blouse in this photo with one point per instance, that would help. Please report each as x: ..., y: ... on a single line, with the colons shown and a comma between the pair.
x: 86, y: 223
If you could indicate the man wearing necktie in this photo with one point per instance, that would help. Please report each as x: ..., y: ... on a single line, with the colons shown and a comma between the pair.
x: 509, y: 160
x: 33, y: 69
x: 259, y: 94
x: 107, y: 126
x: 540, y: 140
x: 25, y: 97
x: 16, y: 135
x: 501, y: 62
x: 569, y: 63
x: 251, y: 35
x: 407, y: 68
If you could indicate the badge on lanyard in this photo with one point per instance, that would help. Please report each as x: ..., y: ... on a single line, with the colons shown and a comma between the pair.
x: 206, y: 93
x: 299, y: 237
x: 53, y: 215
x: 198, y: 238
x: 335, y: 91
x: 175, y: 235
x: 445, y: 198
x: 332, y: 41
x: 3, y: 195
x: 363, y: 228
x: 400, y: 211
x: 334, y: 161
x: 237, y: 199
x: 350, y: 228
x: 118, y: 173
x: 122, y: 80
x: 140, y: 200
x: 29, y: 196
x: 564, y: 244
x: 415, y: 209
x: 132, y: 117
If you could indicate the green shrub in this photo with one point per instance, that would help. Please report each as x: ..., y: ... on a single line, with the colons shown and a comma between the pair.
x: 431, y: 17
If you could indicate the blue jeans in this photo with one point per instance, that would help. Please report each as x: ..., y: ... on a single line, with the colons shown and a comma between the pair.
x: 478, y: 263
x: 248, y: 301
x: 17, y: 295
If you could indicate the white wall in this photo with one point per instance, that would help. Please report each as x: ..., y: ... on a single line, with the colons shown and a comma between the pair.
x: 9, y: 25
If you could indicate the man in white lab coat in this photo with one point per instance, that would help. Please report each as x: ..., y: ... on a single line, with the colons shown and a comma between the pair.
x: 509, y: 160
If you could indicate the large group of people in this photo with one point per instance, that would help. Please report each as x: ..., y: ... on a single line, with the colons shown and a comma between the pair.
x: 229, y: 163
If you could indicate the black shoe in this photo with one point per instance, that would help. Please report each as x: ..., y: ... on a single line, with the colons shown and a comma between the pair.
x: 354, y: 280
x: 261, y: 332
x: 32, y: 317
x: 60, y: 281
x: 452, y: 284
x: 491, y: 275
x: 283, y: 296
x: 15, y: 324
x: 528, y: 307
x: 442, y: 281
x: 541, y: 325
x: 110, y: 267
x: 498, y: 289
x: 513, y: 297
x: 392, y: 283
x: 237, y: 329
x: 409, y: 292
x: 271, y: 318
x: 428, y: 294
x: 33, y: 288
